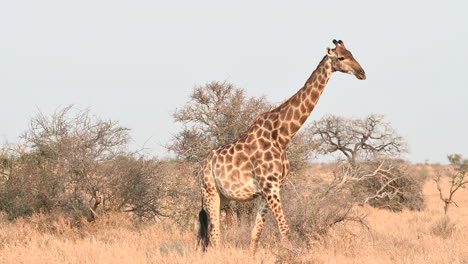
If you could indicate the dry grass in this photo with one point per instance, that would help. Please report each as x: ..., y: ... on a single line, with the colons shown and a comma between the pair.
x: 395, y: 237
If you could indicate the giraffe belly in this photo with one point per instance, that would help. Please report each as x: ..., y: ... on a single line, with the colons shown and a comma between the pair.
x: 241, y: 187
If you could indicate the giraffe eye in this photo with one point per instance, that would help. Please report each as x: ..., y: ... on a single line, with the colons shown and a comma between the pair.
x: 340, y: 58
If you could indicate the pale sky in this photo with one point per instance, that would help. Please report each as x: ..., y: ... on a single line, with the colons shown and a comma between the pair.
x: 136, y: 61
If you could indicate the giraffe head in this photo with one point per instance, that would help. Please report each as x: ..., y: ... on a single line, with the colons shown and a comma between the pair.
x: 342, y: 60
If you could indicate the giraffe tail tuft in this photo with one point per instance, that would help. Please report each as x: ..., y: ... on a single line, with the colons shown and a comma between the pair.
x: 203, y: 234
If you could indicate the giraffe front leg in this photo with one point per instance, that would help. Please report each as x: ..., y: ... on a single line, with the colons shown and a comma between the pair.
x: 272, y: 197
x: 259, y: 223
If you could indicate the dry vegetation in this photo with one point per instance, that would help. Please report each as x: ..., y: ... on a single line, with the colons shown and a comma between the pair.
x: 72, y: 192
x: 394, y: 237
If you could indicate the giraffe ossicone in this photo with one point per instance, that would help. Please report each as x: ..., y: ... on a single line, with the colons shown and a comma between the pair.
x: 256, y: 165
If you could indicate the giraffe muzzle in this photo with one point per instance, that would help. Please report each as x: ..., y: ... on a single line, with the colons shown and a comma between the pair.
x: 360, y: 74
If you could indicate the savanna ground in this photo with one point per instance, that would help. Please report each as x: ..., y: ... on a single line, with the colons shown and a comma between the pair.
x: 424, y: 236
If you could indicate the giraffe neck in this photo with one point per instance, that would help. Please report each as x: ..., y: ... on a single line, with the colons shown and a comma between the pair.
x: 294, y: 112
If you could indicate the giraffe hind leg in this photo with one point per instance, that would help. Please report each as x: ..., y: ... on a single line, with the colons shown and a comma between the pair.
x: 212, y: 207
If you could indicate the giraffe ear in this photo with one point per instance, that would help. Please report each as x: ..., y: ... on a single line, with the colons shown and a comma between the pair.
x: 330, y: 52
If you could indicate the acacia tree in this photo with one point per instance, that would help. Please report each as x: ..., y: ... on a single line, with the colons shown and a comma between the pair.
x: 216, y: 114
x: 356, y: 138
x: 458, y: 179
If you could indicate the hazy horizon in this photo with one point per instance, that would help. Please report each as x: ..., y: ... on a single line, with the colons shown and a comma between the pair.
x: 137, y: 62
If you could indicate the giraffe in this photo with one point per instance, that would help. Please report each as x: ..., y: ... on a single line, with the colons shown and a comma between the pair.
x: 256, y: 165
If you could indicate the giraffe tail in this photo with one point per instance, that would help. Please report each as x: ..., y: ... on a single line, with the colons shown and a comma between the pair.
x: 203, y: 234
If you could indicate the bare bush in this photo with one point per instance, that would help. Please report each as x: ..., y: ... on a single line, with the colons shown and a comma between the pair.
x: 458, y: 179
x: 30, y: 185
x: 444, y: 227
x: 370, y: 148
x: 316, y: 209
x: 321, y: 205
x: 150, y: 188
x: 60, y: 163
x: 381, y: 183
x: 135, y: 187
x: 77, y: 143
x: 177, y: 188
x: 74, y: 163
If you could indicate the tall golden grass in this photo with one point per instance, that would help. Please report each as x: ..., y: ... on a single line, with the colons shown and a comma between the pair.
x: 394, y: 237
